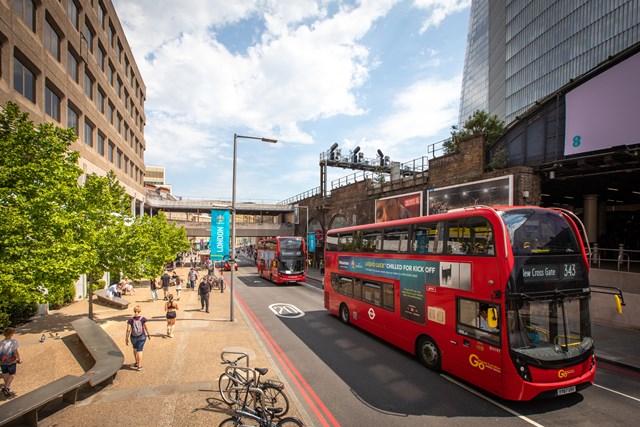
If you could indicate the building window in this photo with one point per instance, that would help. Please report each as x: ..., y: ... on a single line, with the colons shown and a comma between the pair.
x: 72, y: 119
x: 119, y: 123
x: 88, y: 36
x: 88, y: 133
x: 110, y: 113
x: 100, y: 100
x: 26, y: 10
x: 126, y: 164
x: 100, y: 144
x: 51, y: 104
x: 72, y: 13
x: 101, y: 57
x: 110, y: 152
x: 120, y: 52
x: 52, y: 40
x: 112, y: 72
x: 72, y: 65
x: 112, y: 32
x: 102, y: 13
x: 119, y: 159
x: 88, y: 85
x: 24, y: 80
x: 119, y: 87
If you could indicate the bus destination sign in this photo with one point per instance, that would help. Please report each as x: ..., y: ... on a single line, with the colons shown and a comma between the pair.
x: 551, y: 272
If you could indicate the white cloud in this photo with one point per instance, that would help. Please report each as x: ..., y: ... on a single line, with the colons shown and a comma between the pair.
x: 424, y: 110
x: 296, y: 66
x: 439, y: 10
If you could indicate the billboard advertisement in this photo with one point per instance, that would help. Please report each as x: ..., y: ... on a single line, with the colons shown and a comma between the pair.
x: 489, y: 192
x: 603, y: 112
x: 398, y: 207
x: 219, y: 243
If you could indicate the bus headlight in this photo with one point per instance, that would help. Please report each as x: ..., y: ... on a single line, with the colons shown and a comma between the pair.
x: 523, y: 369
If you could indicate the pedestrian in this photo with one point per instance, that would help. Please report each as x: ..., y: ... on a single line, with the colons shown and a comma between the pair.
x: 138, y: 332
x: 178, y: 282
x: 115, y: 290
x: 165, y: 283
x: 193, y: 276
x: 153, y: 285
x: 9, y: 359
x: 171, y: 308
x: 127, y: 288
x: 204, y: 290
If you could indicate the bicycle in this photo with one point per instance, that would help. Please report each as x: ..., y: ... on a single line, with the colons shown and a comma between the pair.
x: 235, y: 381
x: 218, y: 283
x: 264, y: 416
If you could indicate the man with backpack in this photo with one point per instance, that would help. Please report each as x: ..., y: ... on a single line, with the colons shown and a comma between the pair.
x: 204, y: 290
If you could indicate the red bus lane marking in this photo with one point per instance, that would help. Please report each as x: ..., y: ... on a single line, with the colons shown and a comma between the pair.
x: 319, y: 408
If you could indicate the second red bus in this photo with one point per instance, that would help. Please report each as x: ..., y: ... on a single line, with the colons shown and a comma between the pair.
x: 282, y: 259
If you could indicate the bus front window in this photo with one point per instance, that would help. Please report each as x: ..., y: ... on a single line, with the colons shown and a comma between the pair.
x: 551, y: 329
x: 539, y: 232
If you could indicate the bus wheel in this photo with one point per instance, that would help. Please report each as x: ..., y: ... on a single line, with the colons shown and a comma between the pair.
x: 428, y: 353
x: 344, y: 314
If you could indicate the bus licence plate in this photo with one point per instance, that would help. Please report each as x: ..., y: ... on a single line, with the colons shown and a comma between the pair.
x: 566, y: 390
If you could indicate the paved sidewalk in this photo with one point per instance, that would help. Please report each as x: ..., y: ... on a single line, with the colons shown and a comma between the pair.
x: 178, y: 385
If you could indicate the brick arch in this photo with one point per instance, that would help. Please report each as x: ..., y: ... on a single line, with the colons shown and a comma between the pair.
x: 338, y: 221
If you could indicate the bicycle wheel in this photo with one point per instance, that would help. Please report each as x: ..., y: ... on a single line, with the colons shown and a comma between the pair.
x: 274, y: 397
x: 230, y: 422
x: 226, y: 384
x: 289, y: 422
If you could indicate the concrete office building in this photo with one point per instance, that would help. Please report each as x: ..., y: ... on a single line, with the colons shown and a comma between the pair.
x: 520, y: 51
x: 68, y: 62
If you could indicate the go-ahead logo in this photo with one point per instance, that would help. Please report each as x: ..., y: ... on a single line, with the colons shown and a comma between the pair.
x: 564, y: 374
x: 476, y: 362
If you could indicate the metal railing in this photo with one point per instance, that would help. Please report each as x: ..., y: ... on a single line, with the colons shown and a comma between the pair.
x: 619, y: 258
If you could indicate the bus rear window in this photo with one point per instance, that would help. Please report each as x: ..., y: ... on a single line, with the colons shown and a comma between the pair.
x: 537, y: 232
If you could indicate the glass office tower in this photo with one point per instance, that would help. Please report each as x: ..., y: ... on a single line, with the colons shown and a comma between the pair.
x: 534, y: 48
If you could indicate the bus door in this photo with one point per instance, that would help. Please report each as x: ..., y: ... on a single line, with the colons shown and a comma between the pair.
x: 478, y: 350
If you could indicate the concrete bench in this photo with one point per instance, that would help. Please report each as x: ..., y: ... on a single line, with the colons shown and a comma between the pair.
x: 103, y: 297
x: 103, y: 349
x: 108, y: 358
x: 26, y: 406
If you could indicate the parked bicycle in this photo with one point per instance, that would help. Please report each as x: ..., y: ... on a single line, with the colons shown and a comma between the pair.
x: 236, y: 382
x: 246, y: 416
x: 218, y: 284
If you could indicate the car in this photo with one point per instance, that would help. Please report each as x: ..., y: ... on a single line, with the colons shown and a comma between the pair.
x: 225, y: 265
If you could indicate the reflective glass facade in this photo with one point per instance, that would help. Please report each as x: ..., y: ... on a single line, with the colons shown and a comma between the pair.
x: 474, y: 94
x: 546, y: 44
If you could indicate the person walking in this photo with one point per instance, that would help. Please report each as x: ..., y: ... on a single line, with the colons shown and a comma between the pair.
x: 9, y: 359
x: 204, y: 290
x: 178, y: 282
x: 193, y: 277
x: 138, y: 332
x: 153, y: 285
x: 171, y: 307
x: 166, y: 279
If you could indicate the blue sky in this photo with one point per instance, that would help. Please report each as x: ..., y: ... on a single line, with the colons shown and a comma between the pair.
x: 379, y: 74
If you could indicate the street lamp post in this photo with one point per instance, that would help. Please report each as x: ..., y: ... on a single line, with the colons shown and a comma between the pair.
x: 233, y: 211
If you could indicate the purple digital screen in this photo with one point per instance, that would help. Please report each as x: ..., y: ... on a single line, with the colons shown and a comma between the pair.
x: 604, y: 112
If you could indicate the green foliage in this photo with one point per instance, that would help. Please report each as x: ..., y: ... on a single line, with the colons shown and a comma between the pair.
x: 39, y: 215
x: 53, y: 230
x: 478, y: 123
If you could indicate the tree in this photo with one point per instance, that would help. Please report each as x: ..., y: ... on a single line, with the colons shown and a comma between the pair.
x: 39, y: 215
x: 478, y: 123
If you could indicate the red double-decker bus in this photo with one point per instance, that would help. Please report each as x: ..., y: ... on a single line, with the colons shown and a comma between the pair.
x: 282, y: 259
x: 498, y: 297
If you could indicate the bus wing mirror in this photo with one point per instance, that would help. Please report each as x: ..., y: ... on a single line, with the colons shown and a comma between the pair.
x: 618, y: 303
x: 492, y: 318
